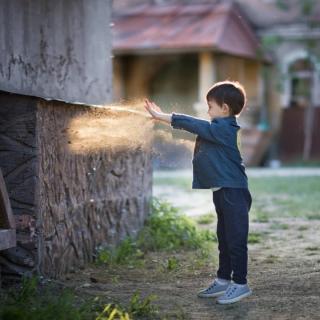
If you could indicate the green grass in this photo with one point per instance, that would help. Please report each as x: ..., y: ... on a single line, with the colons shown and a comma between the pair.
x: 285, y: 197
x: 279, y: 226
x: 127, y: 252
x: 259, y: 216
x: 313, y: 216
x: 273, y: 196
x: 34, y: 301
x: 303, y: 228
x: 271, y: 259
x: 312, y: 248
x: 181, y: 183
x: 206, y: 218
x: 301, y: 163
x: 172, y: 263
x: 254, y: 237
x: 139, y: 307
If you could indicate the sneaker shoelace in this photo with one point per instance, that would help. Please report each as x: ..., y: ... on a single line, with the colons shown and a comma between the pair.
x: 230, y: 291
x: 212, y: 286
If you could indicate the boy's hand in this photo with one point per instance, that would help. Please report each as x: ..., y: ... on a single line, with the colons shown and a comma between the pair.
x: 153, y: 109
x: 156, y: 112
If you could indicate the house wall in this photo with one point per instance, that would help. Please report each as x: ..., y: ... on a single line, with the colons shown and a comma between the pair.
x: 56, y: 49
x: 168, y: 79
x: 66, y: 203
x: 248, y: 73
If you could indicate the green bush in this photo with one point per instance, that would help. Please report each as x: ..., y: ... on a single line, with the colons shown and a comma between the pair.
x: 126, y: 252
x: 165, y: 229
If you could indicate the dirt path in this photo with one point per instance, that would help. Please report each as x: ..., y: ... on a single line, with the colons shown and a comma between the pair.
x: 284, y: 274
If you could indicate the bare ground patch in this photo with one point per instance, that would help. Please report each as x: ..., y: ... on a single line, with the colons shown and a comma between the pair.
x: 284, y: 274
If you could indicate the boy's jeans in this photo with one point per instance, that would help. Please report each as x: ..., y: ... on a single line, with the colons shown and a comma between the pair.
x: 232, y: 207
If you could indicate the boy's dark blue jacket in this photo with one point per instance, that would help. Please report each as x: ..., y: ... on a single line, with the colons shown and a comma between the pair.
x: 216, y: 160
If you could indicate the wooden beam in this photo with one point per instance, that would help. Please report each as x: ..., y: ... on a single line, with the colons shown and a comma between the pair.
x: 7, y: 238
x: 6, y: 216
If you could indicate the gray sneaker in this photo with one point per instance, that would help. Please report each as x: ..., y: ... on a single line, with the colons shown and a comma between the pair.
x: 234, y: 293
x: 214, y: 290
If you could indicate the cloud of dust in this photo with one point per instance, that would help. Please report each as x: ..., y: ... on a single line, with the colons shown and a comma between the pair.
x: 118, y: 127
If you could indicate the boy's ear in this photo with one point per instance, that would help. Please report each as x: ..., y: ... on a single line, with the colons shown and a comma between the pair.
x: 226, y: 108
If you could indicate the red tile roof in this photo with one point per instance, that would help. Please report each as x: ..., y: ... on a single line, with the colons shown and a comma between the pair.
x: 183, y: 28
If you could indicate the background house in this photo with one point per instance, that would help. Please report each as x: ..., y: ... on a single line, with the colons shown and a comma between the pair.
x: 290, y: 32
x: 174, y: 50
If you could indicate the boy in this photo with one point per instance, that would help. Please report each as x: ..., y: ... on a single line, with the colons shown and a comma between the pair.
x: 217, y: 165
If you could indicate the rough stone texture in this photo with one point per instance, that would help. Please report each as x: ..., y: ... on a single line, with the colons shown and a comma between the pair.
x: 66, y: 203
x: 85, y: 200
x: 56, y: 49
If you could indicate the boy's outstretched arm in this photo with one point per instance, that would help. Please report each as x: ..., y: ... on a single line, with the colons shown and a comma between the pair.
x: 201, y: 127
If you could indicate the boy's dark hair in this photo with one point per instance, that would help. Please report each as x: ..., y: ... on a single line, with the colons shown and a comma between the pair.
x: 231, y: 93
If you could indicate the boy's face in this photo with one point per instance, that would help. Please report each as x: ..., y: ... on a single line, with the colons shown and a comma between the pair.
x: 216, y: 111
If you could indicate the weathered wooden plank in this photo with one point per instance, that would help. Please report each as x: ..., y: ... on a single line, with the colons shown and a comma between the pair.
x: 5, y: 207
x: 7, y: 238
x: 18, y: 163
x: 19, y: 256
x: 18, y: 150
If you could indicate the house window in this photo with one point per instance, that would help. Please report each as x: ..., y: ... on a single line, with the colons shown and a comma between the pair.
x: 301, y: 75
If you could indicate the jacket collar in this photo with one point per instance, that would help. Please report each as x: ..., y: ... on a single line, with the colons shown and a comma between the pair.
x: 228, y: 119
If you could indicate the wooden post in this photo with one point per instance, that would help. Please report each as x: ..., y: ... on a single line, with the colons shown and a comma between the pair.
x: 7, y: 224
x: 207, y: 77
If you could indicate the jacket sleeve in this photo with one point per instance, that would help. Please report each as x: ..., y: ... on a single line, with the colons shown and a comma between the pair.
x: 203, y: 128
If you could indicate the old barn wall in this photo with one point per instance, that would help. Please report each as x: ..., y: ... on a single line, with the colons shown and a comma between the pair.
x: 65, y: 203
x: 56, y: 49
